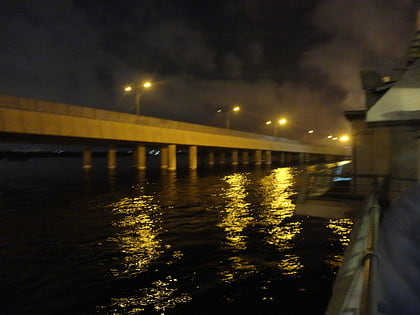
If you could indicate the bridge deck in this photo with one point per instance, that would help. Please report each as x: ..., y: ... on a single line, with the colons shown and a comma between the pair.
x: 34, y: 118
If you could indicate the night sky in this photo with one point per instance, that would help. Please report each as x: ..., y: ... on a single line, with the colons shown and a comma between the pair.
x: 295, y: 59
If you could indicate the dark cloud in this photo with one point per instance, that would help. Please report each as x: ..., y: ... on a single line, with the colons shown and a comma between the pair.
x: 300, y: 59
x: 362, y: 34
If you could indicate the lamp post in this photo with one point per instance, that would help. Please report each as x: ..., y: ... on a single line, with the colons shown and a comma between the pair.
x: 139, y: 92
x: 233, y: 109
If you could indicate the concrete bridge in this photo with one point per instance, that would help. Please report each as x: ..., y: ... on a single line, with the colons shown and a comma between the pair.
x: 34, y: 121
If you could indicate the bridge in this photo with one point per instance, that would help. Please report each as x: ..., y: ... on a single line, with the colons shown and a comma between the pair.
x: 34, y: 121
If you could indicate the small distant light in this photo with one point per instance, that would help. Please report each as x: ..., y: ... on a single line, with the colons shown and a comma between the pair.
x: 310, y: 131
x: 219, y: 110
x: 128, y: 88
x: 268, y: 122
x: 335, y: 138
x: 330, y: 136
x: 147, y: 84
x: 236, y: 108
x: 282, y: 121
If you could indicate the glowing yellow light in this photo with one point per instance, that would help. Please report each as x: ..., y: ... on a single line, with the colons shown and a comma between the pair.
x: 310, y: 131
x: 128, y: 88
x: 344, y: 138
x: 219, y: 110
x: 138, y: 237
x: 236, y: 108
x: 335, y: 138
x: 147, y: 84
x: 282, y: 121
x: 330, y: 137
x: 268, y: 122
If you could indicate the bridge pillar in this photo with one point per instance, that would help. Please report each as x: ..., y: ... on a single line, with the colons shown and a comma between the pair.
x: 282, y: 158
x: 139, y: 157
x: 112, y: 157
x: 87, y: 158
x: 222, y: 157
x: 257, y: 157
x: 192, y: 157
x: 245, y: 157
x: 267, y: 157
x: 172, y: 157
x: 211, y: 157
x: 301, y: 158
x: 164, y: 157
x: 235, y: 157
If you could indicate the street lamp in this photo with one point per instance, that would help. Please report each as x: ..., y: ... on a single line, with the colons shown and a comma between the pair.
x: 281, y: 121
x: 344, y: 138
x: 139, y: 92
x: 233, y: 109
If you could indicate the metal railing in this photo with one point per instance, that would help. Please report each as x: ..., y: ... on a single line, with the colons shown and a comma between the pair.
x: 355, y: 288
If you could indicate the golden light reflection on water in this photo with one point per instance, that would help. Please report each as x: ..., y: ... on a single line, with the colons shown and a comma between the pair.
x: 282, y: 236
x: 161, y: 296
x: 278, y: 206
x: 139, y: 220
x: 139, y: 223
x: 235, y: 219
x: 341, y: 227
x: 290, y: 265
x: 236, y: 215
x: 277, y: 191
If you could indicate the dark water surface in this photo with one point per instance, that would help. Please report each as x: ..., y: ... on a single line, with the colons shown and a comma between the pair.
x: 214, y: 241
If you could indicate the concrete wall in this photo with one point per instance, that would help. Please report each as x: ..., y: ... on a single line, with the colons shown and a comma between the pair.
x: 385, y: 151
x: 371, y: 149
x: 404, y: 153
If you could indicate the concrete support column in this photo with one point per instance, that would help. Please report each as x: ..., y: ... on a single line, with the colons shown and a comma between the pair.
x: 267, y: 157
x: 164, y: 157
x: 222, y: 158
x: 235, y: 159
x: 112, y: 157
x: 211, y: 157
x: 172, y: 157
x: 245, y: 157
x: 192, y: 157
x: 139, y: 157
x: 282, y: 158
x: 257, y: 157
x: 301, y: 158
x: 87, y: 158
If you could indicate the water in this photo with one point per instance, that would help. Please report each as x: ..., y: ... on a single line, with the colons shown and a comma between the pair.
x: 217, y: 241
